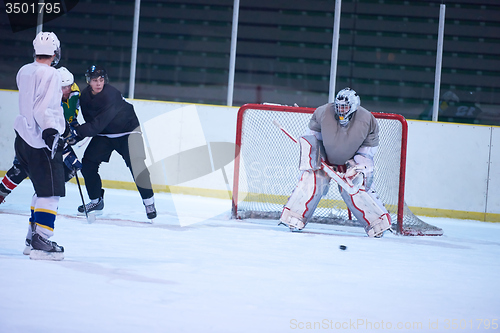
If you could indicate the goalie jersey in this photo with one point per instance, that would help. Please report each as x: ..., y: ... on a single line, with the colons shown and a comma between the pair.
x: 342, y: 142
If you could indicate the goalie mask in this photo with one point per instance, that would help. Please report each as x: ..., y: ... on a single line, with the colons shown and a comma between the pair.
x: 94, y: 72
x: 47, y: 43
x: 346, y: 103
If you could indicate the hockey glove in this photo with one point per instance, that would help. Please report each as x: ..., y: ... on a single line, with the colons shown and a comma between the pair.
x: 71, y: 160
x: 70, y: 134
x: 352, y: 175
x: 53, y: 140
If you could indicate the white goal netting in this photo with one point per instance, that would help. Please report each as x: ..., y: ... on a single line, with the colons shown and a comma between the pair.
x: 266, y: 170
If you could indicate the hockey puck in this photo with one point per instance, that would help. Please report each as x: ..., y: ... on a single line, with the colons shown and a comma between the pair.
x: 343, y: 247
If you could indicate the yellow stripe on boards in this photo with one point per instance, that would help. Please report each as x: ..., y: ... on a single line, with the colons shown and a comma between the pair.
x: 220, y: 194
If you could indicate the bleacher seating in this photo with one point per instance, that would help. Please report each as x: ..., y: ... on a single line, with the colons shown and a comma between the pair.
x: 387, y: 50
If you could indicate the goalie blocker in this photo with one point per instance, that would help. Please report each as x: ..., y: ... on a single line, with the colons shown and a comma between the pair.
x: 314, y: 183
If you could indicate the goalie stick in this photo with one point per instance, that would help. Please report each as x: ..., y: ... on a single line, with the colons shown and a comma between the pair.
x: 351, y: 187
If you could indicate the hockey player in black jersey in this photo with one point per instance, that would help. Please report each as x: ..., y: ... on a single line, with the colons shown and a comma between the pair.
x: 113, y: 125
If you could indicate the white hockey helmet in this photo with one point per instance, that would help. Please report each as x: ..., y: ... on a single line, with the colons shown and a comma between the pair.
x: 346, y: 103
x: 46, y: 43
x: 67, y: 78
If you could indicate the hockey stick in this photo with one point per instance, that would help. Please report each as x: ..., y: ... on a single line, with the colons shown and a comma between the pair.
x: 90, y: 219
x: 55, y: 144
x: 338, y: 177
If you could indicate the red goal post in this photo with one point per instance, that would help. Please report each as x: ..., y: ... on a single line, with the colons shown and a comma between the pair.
x: 266, y: 168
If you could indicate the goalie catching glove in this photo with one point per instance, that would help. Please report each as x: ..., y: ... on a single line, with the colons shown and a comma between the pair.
x: 363, y: 163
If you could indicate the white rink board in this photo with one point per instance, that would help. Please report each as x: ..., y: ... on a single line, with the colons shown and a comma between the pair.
x: 9, y: 109
x: 218, y: 124
x: 447, y: 166
x: 494, y: 179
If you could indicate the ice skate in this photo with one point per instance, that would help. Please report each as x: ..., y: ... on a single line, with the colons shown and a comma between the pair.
x: 43, y: 249
x: 150, y: 209
x: 378, y: 227
x: 151, y: 212
x: 28, y: 247
x: 294, y: 226
x: 92, y: 207
x: 3, y: 195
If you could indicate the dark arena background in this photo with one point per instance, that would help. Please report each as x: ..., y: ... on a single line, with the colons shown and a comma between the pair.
x: 387, y: 52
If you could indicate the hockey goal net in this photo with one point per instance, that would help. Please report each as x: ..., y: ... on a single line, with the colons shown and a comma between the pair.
x: 266, y: 169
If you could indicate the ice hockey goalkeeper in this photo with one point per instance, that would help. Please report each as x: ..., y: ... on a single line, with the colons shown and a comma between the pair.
x: 346, y: 135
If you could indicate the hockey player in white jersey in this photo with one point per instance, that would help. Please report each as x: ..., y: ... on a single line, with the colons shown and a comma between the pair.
x: 70, y: 103
x: 39, y: 128
x: 347, y: 136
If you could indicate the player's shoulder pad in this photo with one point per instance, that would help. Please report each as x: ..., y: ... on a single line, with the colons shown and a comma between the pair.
x: 321, y: 110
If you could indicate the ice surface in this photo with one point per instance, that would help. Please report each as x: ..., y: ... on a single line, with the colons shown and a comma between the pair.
x: 222, y: 275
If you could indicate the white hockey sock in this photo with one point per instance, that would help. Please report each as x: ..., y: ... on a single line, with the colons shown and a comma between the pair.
x: 30, y: 232
x: 149, y: 201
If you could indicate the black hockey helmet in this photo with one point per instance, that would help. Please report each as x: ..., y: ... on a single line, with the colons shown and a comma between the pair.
x: 95, y: 71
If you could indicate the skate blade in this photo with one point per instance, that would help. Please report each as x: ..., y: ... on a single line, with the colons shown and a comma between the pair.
x: 95, y: 212
x: 91, y: 217
x: 151, y: 221
x: 27, y: 250
x: 44, y: 255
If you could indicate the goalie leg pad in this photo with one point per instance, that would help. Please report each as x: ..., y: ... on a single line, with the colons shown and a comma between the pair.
x: 304, y: 199
x: 292, y: 219
x: 377, y: 228
x: 368, y: 209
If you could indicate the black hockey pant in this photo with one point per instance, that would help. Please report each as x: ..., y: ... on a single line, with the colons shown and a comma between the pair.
x: 131, y: 149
